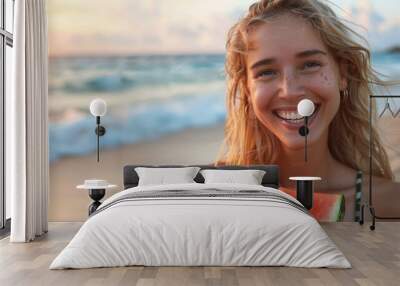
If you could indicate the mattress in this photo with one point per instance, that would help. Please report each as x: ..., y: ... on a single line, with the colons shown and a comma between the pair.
x: 201, y: 225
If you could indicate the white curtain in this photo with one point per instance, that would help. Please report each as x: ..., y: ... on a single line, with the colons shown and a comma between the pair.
x: 27, y: 123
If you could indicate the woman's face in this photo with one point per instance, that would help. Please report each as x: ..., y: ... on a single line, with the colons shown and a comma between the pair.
x: 288, y: 62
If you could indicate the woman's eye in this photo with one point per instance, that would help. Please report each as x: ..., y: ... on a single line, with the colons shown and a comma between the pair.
x: 266, y: 73
x: 311, y: 65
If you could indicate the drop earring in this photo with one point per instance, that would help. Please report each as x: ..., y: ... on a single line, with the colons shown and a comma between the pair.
x: 344, y: 94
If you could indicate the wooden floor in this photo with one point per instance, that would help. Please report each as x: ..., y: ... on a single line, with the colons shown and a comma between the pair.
x: 375, y: 257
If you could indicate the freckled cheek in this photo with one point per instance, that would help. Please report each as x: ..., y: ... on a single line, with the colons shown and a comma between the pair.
x: 328, y: 93
x: 261, y: 99
x: 326, y: 89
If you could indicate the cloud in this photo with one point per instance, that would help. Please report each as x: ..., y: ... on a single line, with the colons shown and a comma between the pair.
x: 141, y: 26
x: 381, y: 32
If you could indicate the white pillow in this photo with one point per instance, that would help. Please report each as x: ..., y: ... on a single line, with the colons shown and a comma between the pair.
x: 248, y: 177
x: 162, y: 176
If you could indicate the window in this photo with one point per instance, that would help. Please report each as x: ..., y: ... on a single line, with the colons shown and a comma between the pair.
x: 6, y: 44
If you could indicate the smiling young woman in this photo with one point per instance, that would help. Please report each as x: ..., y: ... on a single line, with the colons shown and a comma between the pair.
x: 284, y: 51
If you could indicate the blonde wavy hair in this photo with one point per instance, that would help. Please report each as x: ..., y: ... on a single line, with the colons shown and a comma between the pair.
x: 247, y: 141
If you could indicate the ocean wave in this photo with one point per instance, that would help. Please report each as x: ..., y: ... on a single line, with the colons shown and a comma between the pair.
x: 144, y: 122
x: 387, y: 64
x: 60, y: 102
x: 96, y: 75
x: 106, y: 83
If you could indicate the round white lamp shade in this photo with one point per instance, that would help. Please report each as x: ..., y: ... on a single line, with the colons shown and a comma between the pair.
x: 98, y: 107
x: 305, y: 107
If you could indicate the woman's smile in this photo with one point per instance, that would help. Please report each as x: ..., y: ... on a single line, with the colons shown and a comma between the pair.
x: 291, y: 119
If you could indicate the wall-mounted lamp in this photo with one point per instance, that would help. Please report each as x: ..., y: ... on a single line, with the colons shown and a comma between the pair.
x: 305, y: 108
x: 98, y: 108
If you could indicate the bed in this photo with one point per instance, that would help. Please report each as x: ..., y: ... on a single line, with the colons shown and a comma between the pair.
x: 201, y: 224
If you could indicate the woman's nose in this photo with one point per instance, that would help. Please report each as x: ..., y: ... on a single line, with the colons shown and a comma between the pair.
x: 291, y: 86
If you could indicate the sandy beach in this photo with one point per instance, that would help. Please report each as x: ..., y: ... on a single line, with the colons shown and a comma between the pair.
x: 191, y: 146
x: 66, y: 203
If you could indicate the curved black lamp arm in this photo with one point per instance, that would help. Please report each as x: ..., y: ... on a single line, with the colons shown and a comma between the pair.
x: 100, y: 131
x: 303, y: 131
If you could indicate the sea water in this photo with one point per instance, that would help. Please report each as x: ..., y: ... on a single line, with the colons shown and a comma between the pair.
x: 147, y: 97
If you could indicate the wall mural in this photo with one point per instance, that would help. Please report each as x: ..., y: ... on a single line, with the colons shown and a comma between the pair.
x: 161, y: 72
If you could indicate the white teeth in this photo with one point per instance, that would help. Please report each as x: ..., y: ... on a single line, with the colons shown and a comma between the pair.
x: 289, y: 115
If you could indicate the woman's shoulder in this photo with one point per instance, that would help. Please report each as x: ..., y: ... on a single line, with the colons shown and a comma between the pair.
x: 342, y: 177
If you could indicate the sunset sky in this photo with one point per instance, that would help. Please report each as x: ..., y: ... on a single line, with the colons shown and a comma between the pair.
x: 103, y: 27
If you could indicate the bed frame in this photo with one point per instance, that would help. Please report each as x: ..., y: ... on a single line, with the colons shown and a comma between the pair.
x: 270, y: 179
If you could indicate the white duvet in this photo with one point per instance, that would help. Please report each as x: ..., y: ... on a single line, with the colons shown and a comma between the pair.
x: 200, y: 231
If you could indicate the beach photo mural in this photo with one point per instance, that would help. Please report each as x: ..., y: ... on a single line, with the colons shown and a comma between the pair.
x: 159, y: 65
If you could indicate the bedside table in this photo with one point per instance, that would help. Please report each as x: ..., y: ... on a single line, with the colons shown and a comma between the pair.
x: 97, y: 190
x: 304, y: 189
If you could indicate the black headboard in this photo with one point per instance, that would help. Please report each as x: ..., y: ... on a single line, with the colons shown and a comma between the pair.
x: 270, y: 179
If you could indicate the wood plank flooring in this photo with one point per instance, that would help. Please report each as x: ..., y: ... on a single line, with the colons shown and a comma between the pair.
x: 375, y: 257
